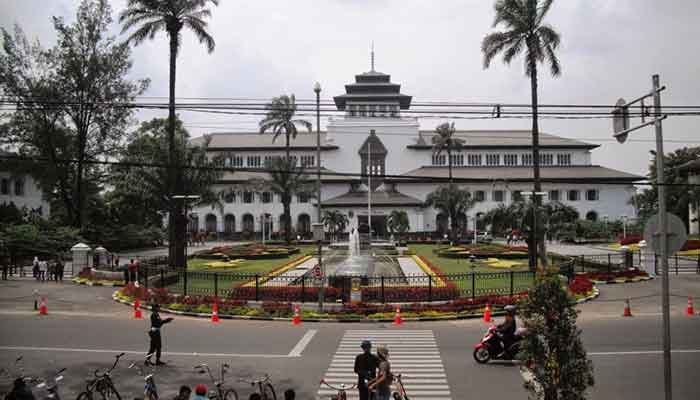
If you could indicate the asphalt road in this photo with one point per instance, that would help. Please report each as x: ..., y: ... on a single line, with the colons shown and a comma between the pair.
x: 85, y: 329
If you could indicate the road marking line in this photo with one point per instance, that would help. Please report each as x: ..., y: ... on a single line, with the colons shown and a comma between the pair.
x: 303, y: 342
x: 350, y: 380
x: 642, y: 352
x: 412, y: 375
x: 171, y: 353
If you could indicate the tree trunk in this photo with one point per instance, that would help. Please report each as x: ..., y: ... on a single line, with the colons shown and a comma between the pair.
x: 449, y: 162
x: 176, y: 230
x: 287, y: 219
x: 540, y: 247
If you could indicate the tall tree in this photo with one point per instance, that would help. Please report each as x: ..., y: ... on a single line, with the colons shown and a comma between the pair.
x: 286, y: 180
x: 280, y: 120
x: 526, y: 30
x: 150, y: 17
x: 560, y: 366
x: 336, y: 222
x: 398, y: 222
x: 453, y: 201
x: 445, y: 141
x: 67, y: 100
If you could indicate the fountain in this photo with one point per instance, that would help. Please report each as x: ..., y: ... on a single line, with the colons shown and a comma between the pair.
x: 355, y: 264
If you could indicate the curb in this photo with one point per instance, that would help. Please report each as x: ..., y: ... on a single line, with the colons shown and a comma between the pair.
x: 90, y: 283
x: 594, y: 296
x: 323, y: 320
x: 623, y: 281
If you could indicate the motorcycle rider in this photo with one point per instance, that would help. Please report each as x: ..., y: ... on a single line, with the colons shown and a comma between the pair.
x: 20, y: 391
x: 506, y: 330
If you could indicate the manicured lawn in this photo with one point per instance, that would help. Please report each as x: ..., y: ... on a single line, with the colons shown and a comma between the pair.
x: 486, y: 280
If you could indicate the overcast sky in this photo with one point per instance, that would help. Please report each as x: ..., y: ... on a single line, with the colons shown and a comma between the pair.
x: 610, y: 49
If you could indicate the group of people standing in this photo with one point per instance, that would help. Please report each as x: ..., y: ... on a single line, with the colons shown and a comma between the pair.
x: 43, y: 271
x: 373, y: 372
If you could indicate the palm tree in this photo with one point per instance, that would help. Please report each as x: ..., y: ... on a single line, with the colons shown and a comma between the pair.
x: 398, y: 222
x: 286, y: 180
x: 452, y: 201
x: 336, y: 222
x: 444, y: 140
x: 526, y: 30
x: 149, y: 17
x: 280, y: 119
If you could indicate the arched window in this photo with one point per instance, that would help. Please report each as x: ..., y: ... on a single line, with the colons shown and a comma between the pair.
x: 304, y: 224
x: 5, y: 186
x: 210, y: 223
x: 19, y: 187
x: 193, y: 225
x: 248, y: 223
x: 229, y: 224
x: 592, y: 216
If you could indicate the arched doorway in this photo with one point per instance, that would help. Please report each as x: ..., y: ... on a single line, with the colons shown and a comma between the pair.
x: 248, y: 224
x: 304, y: 225
x: 461, y: 222
x: 229, y: 224
x: 193, y: 223
x: 592, y: 216
x: 210, y: 223
x: 441, y: 224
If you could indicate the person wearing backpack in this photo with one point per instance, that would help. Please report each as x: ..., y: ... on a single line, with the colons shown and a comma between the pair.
x: 382, y: 383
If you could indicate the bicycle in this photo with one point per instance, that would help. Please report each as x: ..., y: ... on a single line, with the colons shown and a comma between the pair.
x: 401, y: 393
x: 150, y: 391
x: 341, y: 395
x: 222, y: 392
x: 52, y: 387
x: 265, y: 389
x: 21, y: 380
x: 102, y: 384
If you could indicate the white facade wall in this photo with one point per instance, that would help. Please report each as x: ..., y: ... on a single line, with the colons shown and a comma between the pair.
x: 31, y: 197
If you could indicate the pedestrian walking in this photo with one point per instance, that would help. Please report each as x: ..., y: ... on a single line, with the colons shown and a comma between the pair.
x: 43, y: 270
x: 35, y: 268
x: 154, y: 334
x: 132, y: 271
x: 5, y: 269
x: 366, y: 365
x: 382, y: 383
x: 51, y: 271
x: 59, y: 270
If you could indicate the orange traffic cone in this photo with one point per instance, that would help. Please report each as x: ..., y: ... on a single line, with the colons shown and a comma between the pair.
x: 628, y: 309
x: 215, y: 312
x: 487, y: 314
x: 137, y: 309
x: 397, y: 318
x: 43, y: 309
x: 689, y: 311
x: 297, y: 318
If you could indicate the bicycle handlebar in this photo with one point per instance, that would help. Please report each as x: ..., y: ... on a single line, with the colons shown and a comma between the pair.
x: 254, y: 382
x: 117, y: 357
x: 342, y: 386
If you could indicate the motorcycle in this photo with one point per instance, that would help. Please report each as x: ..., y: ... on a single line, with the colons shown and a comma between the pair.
x: 491, y: 345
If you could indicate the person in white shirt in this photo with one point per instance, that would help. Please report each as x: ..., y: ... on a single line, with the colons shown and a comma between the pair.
x: 43, y: 268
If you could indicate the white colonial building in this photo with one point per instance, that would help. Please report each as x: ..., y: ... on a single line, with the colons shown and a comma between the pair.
x: 373, y: 138
x: 22, y: 191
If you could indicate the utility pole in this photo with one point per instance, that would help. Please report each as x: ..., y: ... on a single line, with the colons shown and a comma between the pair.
x: 622, y: 130
x: 369, y: 194
x: 321, y: 294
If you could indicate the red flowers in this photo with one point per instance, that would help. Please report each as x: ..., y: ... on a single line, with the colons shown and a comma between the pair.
x: 611, y: 276
x: 581, y: 285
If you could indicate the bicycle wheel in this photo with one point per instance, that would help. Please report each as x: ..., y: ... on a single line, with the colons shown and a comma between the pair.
x: 230, y: 394
x: 109, y: 392
x: 84, y: 396
x: 269, y: 392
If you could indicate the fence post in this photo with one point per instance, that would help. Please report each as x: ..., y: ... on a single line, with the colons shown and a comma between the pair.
x: 473, y: 286
x: 216, y: 285
x: 698, y: 265
x: 384, y: 299
x: 609, y: 263
x: 583, y: 263
x: 676, y: 264
x: 656, y: 264
x: 303, y: 288
x: 511, y: 284
x: 257, y: 287
x: 430, y: 288
x: 145, y: 283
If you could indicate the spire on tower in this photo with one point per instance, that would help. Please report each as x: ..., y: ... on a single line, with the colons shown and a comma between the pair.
x: 372, y: 56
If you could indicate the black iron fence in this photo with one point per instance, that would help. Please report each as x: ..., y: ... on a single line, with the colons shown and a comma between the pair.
x: 305, y: 288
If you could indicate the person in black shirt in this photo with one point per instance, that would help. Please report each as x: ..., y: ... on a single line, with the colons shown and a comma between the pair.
x: 506, y: 330
x: 154, y: 333
x: 366, y: 368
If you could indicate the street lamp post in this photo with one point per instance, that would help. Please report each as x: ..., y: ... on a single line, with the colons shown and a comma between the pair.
x: 317, y: 90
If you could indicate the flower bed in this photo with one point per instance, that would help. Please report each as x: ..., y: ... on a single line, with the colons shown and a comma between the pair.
x: 251, y: 251
x: 432, y: 270
x: 278, y: 271
x: 482, y: 251
x: 613, y: 276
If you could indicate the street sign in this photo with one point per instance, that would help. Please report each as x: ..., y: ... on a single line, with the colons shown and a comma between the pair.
x: 677, y: 234
x: 621, y: 120
x: 317, y: 272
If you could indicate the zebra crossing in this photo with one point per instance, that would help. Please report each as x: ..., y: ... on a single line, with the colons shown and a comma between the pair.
x: 413, y: 353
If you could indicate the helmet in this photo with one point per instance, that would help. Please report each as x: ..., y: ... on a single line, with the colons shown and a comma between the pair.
x: 366, y: 344
x: 382, y: 350
x: 201, y: 389
x: 510, y: 309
